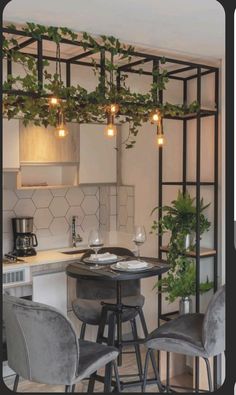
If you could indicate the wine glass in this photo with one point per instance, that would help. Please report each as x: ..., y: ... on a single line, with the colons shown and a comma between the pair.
x: 95, y: 242
x: 139, y: 237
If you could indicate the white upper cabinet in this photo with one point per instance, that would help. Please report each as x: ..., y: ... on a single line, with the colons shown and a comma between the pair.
x: 39, y: 145
x: 97, y: 155
x: 11, y: 161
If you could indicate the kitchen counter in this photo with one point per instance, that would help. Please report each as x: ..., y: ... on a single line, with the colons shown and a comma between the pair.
x: 46, y: 257
x: 56, y: 255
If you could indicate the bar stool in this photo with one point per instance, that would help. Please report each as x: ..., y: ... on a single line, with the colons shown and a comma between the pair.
x: 93, y: 295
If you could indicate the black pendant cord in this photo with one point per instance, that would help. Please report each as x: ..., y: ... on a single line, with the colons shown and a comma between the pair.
x: 58, y: 62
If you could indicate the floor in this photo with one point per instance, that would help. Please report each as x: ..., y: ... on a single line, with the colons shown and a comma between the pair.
x: 129, y: 365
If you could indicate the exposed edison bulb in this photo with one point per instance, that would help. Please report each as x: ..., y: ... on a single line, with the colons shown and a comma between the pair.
x: 61, y: 129
x: 161, y: 140
x: 53, y: 101
x: 114, y: 108
x: 110, y: 130
x: 155, y: 116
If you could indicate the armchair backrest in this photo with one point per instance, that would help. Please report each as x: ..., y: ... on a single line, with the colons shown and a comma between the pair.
x: 42, y: 345
x: 214, y: 324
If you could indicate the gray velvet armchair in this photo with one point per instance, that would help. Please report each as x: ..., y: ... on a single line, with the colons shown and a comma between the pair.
x: 197, y: 335
x: 42, y: 346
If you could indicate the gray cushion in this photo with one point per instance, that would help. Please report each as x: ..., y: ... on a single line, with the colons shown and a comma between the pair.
x: 194, y: 334
x: 182, y: 335
x: 93, y: 356
x: 89, y: 311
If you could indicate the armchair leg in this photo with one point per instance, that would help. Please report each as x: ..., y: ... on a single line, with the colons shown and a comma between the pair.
x: 209, y: 374
x: 167, y: 371
x: 154, y: 365
x: 91, y: 383
x: 146, y: 370
x: 150, y: 354
x: 118, y: 387
x: 68, y: 388
x: 108, y: 377
x: 137, y: 349
x: 145, y: 332
x: 16, y: 381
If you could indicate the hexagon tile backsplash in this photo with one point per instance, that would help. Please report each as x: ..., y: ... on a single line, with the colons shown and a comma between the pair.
x: 52, y: 210
x: 107, y: 207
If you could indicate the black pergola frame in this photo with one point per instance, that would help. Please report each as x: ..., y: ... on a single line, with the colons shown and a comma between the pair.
x: 199, y: 71
x: 75, y: 60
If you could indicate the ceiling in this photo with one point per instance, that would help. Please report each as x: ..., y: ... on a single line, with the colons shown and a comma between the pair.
x: 186, y: 27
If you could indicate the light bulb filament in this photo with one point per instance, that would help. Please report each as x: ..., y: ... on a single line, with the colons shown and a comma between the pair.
x: 110, y: 130
x: 53, y: 101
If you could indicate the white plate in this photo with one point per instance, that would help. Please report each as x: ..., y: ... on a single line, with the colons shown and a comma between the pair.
x: 112, y: 260
x: 128, y: 269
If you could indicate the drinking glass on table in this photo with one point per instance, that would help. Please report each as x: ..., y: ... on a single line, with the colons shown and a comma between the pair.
x: 95, y: 242
x: 139, y: 237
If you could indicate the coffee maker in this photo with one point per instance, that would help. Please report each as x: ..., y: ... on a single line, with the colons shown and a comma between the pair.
x: 24, y: 238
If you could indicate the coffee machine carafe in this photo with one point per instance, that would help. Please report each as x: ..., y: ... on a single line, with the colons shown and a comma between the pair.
x: 24, y: 238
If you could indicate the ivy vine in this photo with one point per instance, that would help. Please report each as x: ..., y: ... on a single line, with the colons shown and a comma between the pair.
x: 31, y: 101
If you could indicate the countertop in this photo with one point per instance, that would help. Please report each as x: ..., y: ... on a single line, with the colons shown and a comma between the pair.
x: 46, y: 257
x: 56, y: 255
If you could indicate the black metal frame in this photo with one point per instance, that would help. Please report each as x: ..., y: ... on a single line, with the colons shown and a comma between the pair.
x: 197, y: 183
x: 77, y: 60
x: 197, y: 71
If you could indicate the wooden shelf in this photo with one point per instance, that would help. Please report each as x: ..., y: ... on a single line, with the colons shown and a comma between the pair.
x: 193, y: 115
x: 204, y: 252
x: 169, y: 316
x: 47, y: 177
x: 59, y: 186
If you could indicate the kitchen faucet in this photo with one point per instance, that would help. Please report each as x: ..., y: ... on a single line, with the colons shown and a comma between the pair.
x: 75, y: 237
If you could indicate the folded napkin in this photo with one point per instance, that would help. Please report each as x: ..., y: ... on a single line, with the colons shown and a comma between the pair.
x: 103, y: 257
x: 132, y: 264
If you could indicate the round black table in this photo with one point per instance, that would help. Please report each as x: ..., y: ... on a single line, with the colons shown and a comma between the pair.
x: 81, y: 270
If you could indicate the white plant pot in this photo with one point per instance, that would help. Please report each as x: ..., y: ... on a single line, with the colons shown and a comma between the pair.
x: 189, y: 240
x: 185, y: 305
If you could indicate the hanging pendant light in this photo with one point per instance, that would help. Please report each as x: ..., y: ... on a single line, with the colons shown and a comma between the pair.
x: 111, y: 111
x: 113, y: 108
x: 55, y: 101
x: 110, y: 130
x: 155, y: 116
x: 161, y: 140
x: 61, y: 129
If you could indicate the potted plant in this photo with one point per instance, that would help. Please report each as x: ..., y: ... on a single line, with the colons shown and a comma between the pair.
x: 180, y: 221
x: 182, y: 283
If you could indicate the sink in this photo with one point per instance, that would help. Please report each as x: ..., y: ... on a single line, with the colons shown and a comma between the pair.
x: 73, y: 252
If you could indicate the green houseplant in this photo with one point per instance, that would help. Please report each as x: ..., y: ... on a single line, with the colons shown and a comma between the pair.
x: 180, y: 221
